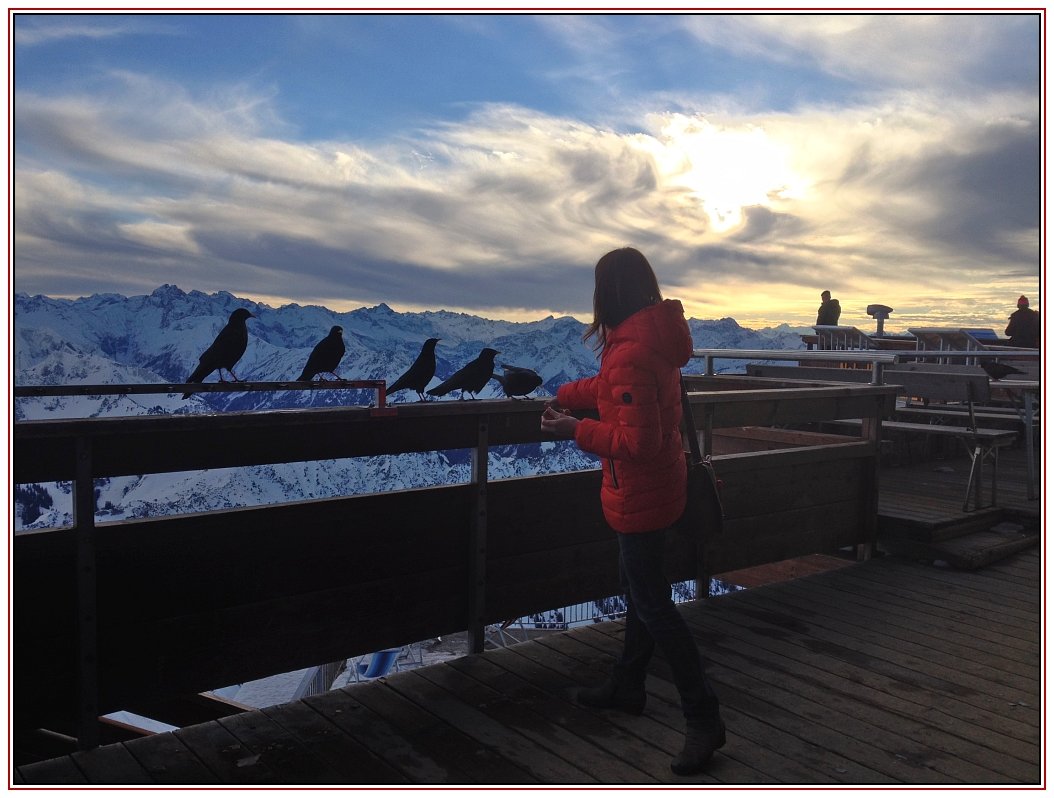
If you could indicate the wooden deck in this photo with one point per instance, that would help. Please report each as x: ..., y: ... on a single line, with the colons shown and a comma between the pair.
x: 879, y: 673
x: 921, y: 514
x: 933, y: 491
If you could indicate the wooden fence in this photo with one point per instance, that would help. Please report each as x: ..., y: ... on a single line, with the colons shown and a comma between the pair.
x: 122, y: 615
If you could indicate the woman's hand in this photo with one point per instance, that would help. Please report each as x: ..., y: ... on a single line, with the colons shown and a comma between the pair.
x: 558, y: 422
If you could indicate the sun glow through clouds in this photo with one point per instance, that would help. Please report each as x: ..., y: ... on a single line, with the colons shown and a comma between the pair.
x: 726, y: 169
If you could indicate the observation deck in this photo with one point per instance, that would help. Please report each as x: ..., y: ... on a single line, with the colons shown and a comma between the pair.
x: 827, y: 679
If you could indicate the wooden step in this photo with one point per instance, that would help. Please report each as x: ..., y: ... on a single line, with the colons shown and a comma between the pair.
x: 971, y: 550
x: 904, y: 527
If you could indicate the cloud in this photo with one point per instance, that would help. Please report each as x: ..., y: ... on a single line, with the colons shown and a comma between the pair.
x: 885, y: 50
x: 32, y: 30
x: 981, y: 200
x: 510, y: 207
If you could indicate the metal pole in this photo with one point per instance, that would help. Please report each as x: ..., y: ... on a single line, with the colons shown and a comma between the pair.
x: 876, y: 373
x: 477, y: 567
x: 1030, y: 450
x: 708, y: 429
x: 87, y: 600
x: 871, y: 429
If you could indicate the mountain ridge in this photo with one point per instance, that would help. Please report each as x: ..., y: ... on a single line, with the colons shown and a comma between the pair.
x: 158, y: 337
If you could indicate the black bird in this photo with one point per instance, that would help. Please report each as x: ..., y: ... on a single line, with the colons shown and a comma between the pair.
x: 517, y: 381
x: 420, y: 373
x: 225, y: 351
x: 471, y: 377
x: 998, y: 371
x: 326, y: 355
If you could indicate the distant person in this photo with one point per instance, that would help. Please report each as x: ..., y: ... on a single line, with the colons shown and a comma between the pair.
x: 829, y: 310
x: 644, y: 341
x: 1023, y: 329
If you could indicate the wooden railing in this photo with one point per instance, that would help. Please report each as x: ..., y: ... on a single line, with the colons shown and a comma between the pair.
x: 120, y: 615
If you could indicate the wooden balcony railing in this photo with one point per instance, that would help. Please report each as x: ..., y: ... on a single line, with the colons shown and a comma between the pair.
x: 120, y: 615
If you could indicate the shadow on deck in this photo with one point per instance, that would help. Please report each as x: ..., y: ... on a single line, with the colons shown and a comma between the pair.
x: 881, y: 672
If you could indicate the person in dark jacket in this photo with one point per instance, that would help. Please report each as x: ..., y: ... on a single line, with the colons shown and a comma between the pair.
x: 829, y: 310
x: 1023, y: 329
x: 644, y: 340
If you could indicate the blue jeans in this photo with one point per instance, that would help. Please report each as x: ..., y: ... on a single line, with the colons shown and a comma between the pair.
x: 652, y: 619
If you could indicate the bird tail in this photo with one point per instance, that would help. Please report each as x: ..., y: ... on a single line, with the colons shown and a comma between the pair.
x: 501, y: 381
x: 196, y: 376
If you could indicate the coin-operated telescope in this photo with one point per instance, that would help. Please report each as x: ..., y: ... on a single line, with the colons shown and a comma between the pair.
x: 880, y: 313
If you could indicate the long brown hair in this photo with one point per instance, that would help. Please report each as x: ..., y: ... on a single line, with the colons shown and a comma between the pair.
x: 624, y: 283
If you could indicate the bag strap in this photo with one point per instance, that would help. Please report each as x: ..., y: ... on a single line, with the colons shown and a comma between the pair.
x: 689, y: 423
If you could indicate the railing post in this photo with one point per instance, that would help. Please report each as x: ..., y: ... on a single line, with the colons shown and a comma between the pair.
x: 477, y: 565
x: 876, y: 372
x: 87, y: 600
x: 1030, y: 444
x: 708, y: 428
x: 871, y: 428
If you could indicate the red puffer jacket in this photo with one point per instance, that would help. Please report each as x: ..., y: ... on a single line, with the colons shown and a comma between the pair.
x: 638, y: 394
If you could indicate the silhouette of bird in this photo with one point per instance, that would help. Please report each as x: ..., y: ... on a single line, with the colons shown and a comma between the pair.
x: 517, y: 381
x: 998, y: 371
x: 326, y: 355
x: 471, y: 377
x: 225, y: 351
x: 420, y: 373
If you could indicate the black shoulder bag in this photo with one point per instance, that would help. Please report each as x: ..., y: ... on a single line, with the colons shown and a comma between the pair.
x: 703, y: 513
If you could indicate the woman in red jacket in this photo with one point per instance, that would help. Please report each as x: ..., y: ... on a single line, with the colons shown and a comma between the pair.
x: 644, y: 341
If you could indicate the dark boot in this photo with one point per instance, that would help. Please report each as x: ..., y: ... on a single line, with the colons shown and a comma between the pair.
x: 700, y: 742
x: 615, y: 693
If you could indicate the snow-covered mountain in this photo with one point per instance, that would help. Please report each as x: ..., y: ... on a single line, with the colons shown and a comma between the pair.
x: 108, y: 338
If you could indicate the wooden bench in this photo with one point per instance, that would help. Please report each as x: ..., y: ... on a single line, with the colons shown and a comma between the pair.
x: 917, y: 380
x: 809, y: 373
x: 950, y: 395
x: 965, y: 385
x: 982, y: 444
x: 994, y: 418
x: 939, y: 385
x: 954, y: 395
x: 966, y: 393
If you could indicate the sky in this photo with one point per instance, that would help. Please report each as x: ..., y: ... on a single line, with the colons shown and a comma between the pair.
x: 483, y: 162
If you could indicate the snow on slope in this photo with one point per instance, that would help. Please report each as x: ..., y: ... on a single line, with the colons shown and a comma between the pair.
x: 112, y: 339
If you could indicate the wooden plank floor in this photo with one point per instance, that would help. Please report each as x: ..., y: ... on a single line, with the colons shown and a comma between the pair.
x: 880, y: 673
x: 932, y: 492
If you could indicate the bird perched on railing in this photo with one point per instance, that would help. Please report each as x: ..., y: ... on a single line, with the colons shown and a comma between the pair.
x: 517, y: 381
x: 471, y: 377
x: 420, y: 372
x: 326, y: 355
x: 998, y: 371
x: 225, y: 351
